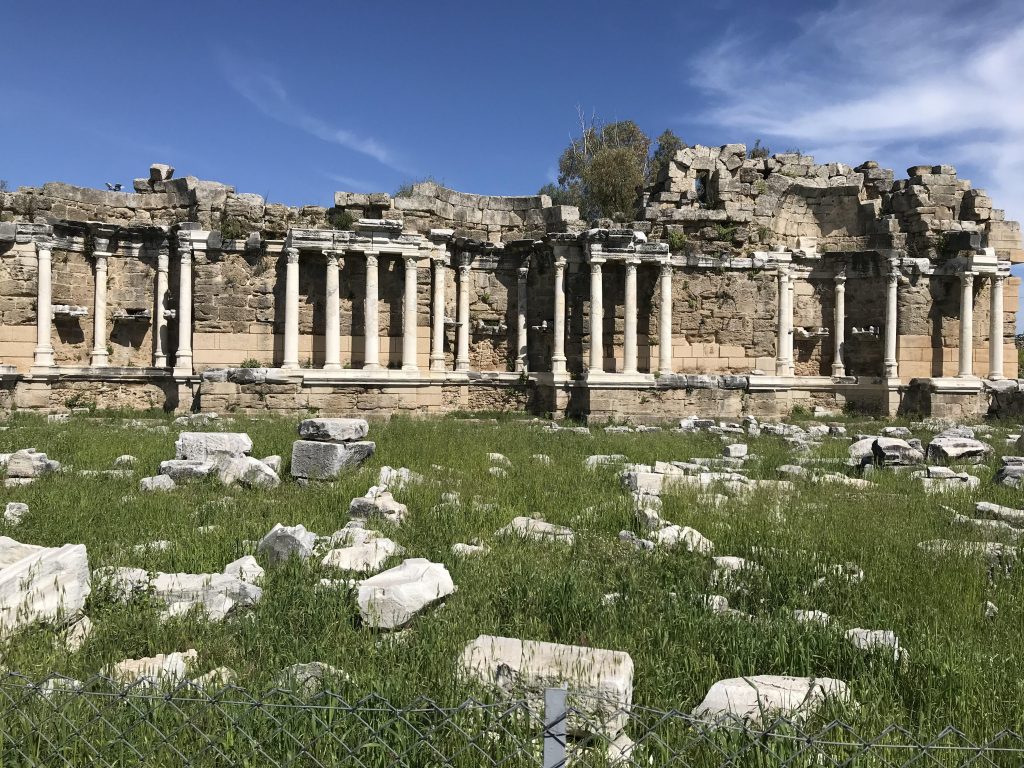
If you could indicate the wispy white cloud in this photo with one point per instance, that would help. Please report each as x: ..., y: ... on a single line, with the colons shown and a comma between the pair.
x: 269, y: 95
x: 931, y: 81
x: 352, y: 185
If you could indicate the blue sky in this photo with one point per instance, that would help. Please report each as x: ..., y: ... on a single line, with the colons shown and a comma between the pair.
x: 296, y: 100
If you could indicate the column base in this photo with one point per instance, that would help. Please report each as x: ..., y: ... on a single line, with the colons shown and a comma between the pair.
x: 160, y: 362
x: 410, y: 368
x: 182, y: 373
x: 839, y: 370
x: 289, y: 366
x: 99, y: 359
x: 437, y: 366
x: 372, y: 367
x: 558, y: 366
x: 43, y: 370
x: 332, y: 366
x: 996, y: 377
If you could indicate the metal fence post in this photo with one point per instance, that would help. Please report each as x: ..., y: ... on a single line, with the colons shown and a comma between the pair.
x: 555, y: 717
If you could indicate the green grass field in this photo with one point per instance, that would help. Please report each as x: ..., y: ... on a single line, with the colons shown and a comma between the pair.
x: 963, y: 669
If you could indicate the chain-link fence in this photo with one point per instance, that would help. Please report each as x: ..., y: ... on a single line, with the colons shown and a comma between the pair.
x: 61, y: 722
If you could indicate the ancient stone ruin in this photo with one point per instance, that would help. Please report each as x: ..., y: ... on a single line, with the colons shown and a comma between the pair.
x: 749, y: 285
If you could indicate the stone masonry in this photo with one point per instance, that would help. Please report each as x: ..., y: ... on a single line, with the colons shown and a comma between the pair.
x: 749, y: 285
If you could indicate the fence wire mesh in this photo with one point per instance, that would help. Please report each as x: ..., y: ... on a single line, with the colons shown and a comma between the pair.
x: 61, y: 722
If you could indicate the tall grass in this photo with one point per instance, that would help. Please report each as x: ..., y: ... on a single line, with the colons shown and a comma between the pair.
x: 962, y: 668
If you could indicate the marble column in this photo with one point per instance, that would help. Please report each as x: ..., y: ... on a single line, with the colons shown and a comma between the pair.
x: 629, y: 352
x: 43, y: 357
x: 409, y: 351
x: 784, y: 335
x: 521, y: 338
x: 995, y: 329
x: 291, y: 310
x: 890, y: 368
x: 462, y: 334
x: 183, y: 357
x: 437, y: 316
x: 98, y: 358
x: 371, y: 317
x: 966, y: 368
x: 332, y: 313
x: 160, y: 311
x: 839, y: 327
x: 665, y: 321
x: 596, y: 316
x: 558, y: 322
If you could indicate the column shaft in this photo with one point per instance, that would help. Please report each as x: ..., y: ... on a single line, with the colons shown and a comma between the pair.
x: 437, y: 317
x: 43, y: 356
x: 890, y: 366
x: 291, y: 310
x: 462, y: 335
x: 629, y: 352
x: 839, y: 327
x: 596, y: 317
x: 183, y: 357
x: 332, y: 313
x: 409, y: 351
x: 784, y: 336
x: 966, y: 324
x: 160, y: 312
x: 371, y: 318
x: 98, y: 357
x: 521, y: 337
x: 558, y: 322
x: 995, y: 329
x: 665, y: 321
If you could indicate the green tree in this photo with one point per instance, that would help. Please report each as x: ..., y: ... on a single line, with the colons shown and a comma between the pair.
x: 604, y: 167
x: 668, y: 145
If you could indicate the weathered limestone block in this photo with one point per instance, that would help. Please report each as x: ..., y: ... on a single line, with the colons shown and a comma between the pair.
x: 162, y: 669
x: 157, y: 483
x: 368, y: 556
x: 246, y: 471
x: 600, y: 681
x: 961, y: 449
x: 29, y: 462
x: 285, y: 541
x: 323, y: 461
x: 392, y: 598
x: 186, y: 470
x: 378, y: 502
x: 537, y: 530
x: 41, y: 583
x: 757, y: 700
x: 201, y: 446
x: 334, y: 430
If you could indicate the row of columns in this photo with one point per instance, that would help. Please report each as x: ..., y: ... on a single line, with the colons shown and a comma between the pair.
x: 43, y: 356
x: 629, y: 345
x: 890, y: 365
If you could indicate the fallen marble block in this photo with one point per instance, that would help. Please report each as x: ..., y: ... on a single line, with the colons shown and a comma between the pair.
x: 392, y: 598
x: 323, y: 461
x: 203, y: 446
x: 758, y: 700
x: 600, y: 682
x: 41, y: 584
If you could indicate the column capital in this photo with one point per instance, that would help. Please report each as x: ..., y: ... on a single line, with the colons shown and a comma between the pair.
x: 101, y: 256
x: 524, y: 272
x: 998, y: 277
x: 439, y: 258
x: 291, y: 255
x: 185, y: 252
x: 665, y: 268
x: 595, y: 266
x: 162, y: 258
x: 371, y: 260
x: 967, y: 277
x: 560, y: 262
x: 333, y: 257
x: 840, y: 278
x: 44, y: 244
x: 411, y: 259
x: 464, y: 263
